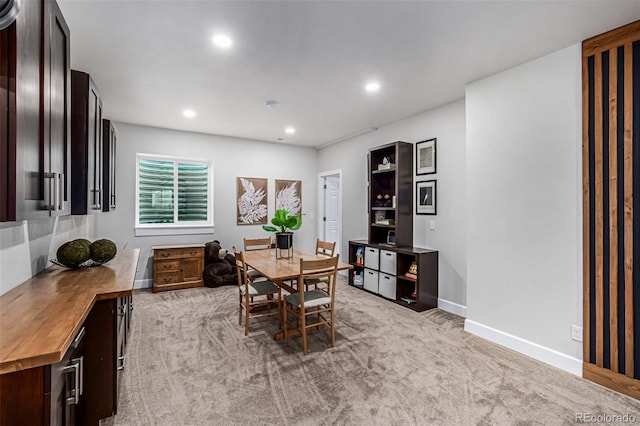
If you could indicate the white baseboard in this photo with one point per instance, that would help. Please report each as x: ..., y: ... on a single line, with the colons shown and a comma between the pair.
x: 146, y: 283
x: 452, y: 307
x: 525, y: 347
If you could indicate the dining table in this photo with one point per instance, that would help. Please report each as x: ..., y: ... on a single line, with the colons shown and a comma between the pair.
x: 283, y: 271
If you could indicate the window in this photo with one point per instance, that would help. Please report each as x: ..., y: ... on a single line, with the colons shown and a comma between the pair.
x: 173, y: 196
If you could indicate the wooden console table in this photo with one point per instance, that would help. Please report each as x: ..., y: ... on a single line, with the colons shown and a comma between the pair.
x: 62, y: 340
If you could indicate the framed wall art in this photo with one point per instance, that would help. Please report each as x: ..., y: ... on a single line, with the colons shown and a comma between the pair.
x: 251, y: 201
x: 426, y: 197
x: 289, y: 195
x: 426, y: 157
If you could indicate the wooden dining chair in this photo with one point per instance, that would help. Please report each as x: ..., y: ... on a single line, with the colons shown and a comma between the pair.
x: 255, y: 296
x: 323, y: 248
x: 317, y: 303
x: 256, y: 244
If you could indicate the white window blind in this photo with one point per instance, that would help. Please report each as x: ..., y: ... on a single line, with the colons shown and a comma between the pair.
x: 173, y: 195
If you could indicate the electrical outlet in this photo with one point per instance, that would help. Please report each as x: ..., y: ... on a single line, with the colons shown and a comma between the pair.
x: 576, y: 333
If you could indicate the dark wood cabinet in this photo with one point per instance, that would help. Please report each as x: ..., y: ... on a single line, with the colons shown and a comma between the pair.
x: 86, y: 144
x: 109, y: 140
x: 35, y: 95
x: 107, y: 326
x: 390, y: 194
x: 50, y: 394
x: 385, y: 271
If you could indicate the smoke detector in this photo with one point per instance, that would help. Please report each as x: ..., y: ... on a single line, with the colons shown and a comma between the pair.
x: 271, y: 104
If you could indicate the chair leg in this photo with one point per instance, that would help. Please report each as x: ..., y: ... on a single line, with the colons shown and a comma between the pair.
x: 240, y: 309
x: 247, y: 307
x: 303, y: 330
x: 333, y: 334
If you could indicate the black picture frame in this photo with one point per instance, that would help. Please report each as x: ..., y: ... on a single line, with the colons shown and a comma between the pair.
x: 426, y: 197
x: 426, y: 159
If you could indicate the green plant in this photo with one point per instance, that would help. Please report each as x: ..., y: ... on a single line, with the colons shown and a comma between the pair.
x: 284, y: 222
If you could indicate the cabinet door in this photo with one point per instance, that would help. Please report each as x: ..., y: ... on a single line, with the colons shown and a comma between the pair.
x: 56, y: 111
x: 94, y: 144
x: 191, y: 269
x: 7, y: 124
x: 109, y: 138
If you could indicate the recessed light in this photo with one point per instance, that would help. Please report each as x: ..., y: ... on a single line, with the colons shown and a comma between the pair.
x: 222, y: 40
x: 373, y: 86
x: 189, y: 113
x: 289, y: 130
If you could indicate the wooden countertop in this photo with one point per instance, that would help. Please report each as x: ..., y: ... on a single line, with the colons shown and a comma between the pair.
x: 40, y: 318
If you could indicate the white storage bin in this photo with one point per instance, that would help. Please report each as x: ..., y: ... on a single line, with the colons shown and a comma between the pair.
x: 371, y: 258
x: 371, y: 280
x: 388, y: 262
x: 387, y: 286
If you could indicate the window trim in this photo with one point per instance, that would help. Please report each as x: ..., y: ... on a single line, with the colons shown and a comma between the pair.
x: 176, y: 228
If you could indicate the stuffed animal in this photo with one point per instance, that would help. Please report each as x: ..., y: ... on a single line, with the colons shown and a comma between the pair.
x: 219, y: 266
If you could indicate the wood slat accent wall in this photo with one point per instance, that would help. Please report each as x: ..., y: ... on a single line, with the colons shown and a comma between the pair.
x: 611, y: 213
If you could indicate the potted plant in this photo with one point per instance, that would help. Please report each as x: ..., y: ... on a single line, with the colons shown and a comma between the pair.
x: 284, y: 224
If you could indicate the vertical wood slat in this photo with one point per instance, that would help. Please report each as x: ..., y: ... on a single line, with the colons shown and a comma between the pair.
x: 586, y: 294
x: 598, y: 212
x: 613, y: 208
x: 628, y: 209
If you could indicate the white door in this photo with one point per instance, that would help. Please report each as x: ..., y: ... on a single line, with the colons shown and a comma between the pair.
x: 331, y: 220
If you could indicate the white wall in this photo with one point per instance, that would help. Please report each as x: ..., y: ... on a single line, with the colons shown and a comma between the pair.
x: 27, y: 246
x: 232, y: 157
x: 446, y: 123
x: 524, y: 259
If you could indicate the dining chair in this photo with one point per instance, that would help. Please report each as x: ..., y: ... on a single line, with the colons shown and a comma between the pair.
x: 318, y: 303
x: 255, y: 296
x: 323, y: 248
x: 256, y: 244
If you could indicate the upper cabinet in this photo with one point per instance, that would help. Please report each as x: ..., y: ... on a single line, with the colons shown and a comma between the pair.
x: 390, y: 194
x: 109, y: 138
x: 35, y: 94
x: 86, y: 144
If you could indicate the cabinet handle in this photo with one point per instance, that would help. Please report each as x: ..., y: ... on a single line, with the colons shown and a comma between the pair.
x: 122, y: 310
x: 164, y: 254
x: 78, y: 339
x: 130, y: 306
x: 75, y: 370
x: 80, y: 362
x: 166, y: 266
x: 97, y: 205
x: 167, y: 280
x: 121, y: 360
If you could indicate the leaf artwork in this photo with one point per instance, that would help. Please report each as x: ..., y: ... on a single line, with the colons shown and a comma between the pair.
x: 250, y: 208
x: 289, y: 198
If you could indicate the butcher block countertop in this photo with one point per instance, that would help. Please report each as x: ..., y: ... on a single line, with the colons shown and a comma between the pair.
x: 40, y: 318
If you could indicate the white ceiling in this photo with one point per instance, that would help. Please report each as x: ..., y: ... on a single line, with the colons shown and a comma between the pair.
x: 151, y: 59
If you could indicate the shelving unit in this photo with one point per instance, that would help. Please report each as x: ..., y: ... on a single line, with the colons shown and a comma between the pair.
x: 390, y: 193
x: 419, y: 294
x: 389, y: 251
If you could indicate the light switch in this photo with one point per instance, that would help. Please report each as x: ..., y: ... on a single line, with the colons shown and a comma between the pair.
x: 432, y: 225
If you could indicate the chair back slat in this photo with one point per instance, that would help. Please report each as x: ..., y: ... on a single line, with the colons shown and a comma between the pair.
x: 257, y: 243
x: 319, y: 269
x: 325, y: 248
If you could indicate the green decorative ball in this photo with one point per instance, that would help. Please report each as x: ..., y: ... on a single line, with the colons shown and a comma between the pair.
x: 73, y: 253
x: 103, y: 250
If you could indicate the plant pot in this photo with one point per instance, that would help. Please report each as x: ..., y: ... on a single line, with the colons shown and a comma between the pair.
x: 284, y: 240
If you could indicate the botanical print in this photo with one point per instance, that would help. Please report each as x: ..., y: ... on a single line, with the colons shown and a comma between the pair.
x: 252, y: 201
x: 289, y: 195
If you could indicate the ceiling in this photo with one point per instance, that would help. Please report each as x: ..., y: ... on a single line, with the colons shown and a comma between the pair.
x: 152, y: 59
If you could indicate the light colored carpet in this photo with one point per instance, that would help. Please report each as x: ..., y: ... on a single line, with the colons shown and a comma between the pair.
x: 188, y: 363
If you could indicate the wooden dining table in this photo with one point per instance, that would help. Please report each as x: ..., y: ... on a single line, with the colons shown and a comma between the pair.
x: 282, y: 271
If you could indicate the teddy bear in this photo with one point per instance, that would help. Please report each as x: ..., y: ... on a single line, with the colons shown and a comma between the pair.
x: 219, y: 266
